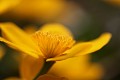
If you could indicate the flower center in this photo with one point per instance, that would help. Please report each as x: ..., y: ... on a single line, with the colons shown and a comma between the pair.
x: 52, y: 44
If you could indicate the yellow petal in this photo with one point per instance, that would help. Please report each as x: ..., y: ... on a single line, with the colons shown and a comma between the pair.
x: 78, y: 48
x: 77, y: 68
x: 98, y: 43
x: 95, y: 72
x: 7, y: 4
x: 15, y: 35
x: 18, y: 47
x: 39, y: 9
x: 57, y: 28
x: 30, y: 67
x: 50, y: 77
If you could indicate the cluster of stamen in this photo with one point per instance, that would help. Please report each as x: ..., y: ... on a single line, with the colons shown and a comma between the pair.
x: 52, y: 44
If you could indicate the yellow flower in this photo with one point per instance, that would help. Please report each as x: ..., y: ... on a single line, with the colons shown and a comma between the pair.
x: 77, y: 68
x: 5, y: 5
x: 53, y: 42
x: 39, y: 9
x: 78, y: 65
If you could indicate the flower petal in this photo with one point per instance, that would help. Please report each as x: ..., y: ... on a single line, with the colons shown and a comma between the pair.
x: 19, y: 47
x: 7, y: 4
x: 57, y: 28
x: 15, y: 35
x: 30, y: 67
x: 95, y: 72
x: 98, y: 43
x: 78, y: 48
x: 80, y: 69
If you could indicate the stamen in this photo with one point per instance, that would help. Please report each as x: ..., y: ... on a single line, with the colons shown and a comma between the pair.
x: 52, y: 44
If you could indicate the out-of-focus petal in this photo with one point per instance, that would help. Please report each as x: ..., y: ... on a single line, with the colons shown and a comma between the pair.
x: 57, y: 28
x: 39, y: 9
x: 19, y: 47
x: 78, y: 48
x: 30, y: 67
x: 7, y: 4
x: 95, y: 72
x: 80, y: 69
x: 50, y: 77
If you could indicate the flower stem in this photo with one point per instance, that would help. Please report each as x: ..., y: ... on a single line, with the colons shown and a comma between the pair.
x: 45, y: 68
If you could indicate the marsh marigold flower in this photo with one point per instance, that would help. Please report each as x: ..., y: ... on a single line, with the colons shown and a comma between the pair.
x: 53, y: 42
